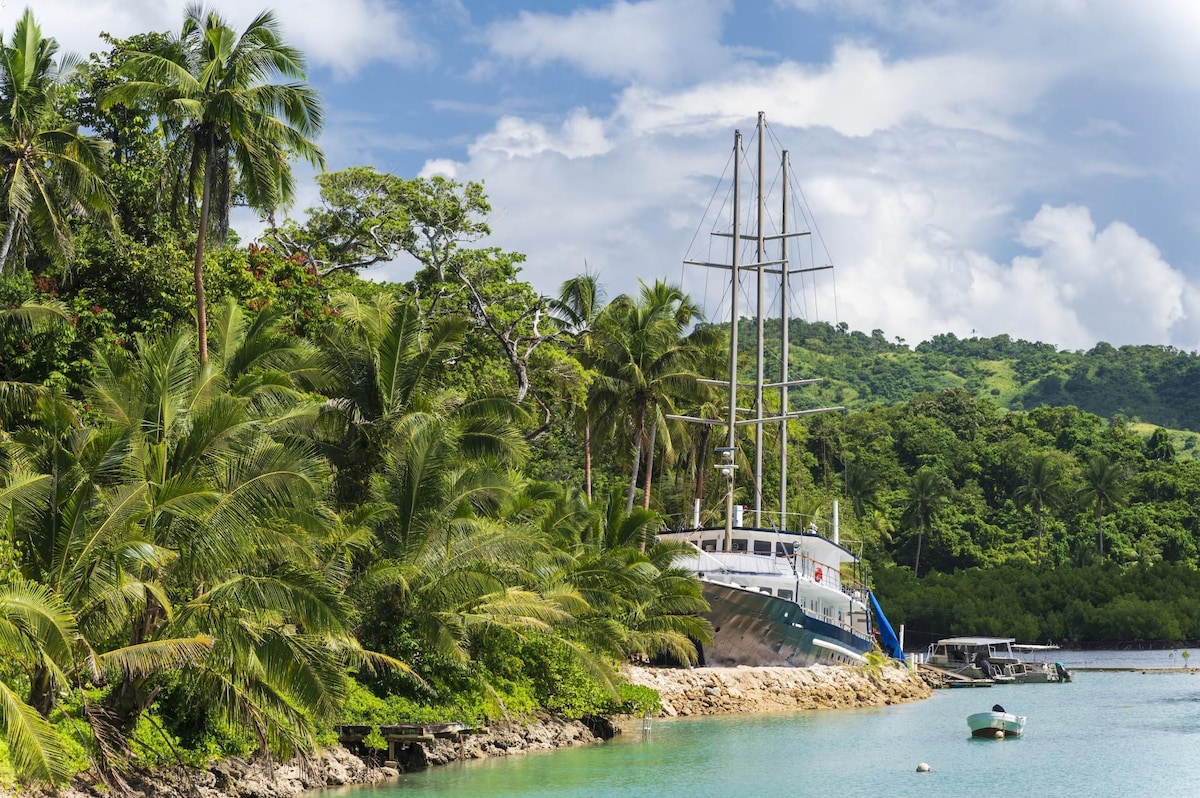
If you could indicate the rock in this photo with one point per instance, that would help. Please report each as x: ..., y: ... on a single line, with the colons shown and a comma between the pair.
x: 714, y: 691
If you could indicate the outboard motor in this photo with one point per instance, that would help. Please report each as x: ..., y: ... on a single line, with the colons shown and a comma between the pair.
x: 986, y: 665
x: 1062, y: 672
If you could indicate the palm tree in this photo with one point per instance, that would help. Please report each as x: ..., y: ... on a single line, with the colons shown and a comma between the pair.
x: 225, y: 122
x: 1043, y: 488
x: 643, y: 362
x: 48, y: 170
x: 382, y: 363
x: 578, y: 306
x: 861, y: 485
x: 641, y: 603
x: 927, y: 492
x: 193, y: 542
x: 1103, y: 489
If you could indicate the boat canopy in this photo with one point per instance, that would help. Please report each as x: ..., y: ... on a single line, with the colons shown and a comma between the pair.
x: 975, y: 641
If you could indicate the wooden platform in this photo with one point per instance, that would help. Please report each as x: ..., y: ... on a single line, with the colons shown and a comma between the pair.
x: 404, y: 733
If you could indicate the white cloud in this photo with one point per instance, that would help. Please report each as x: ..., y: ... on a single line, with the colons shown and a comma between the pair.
x: 650, y: 41
x: 857, y: 94
x: 580, y: 136
x: 342, y: 36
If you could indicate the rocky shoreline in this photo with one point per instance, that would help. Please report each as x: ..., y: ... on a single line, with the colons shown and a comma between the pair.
x: 727, y: 691
x: 685, y: 692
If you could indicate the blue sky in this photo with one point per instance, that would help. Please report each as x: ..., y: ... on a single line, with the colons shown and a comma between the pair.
x: 1025, y: 167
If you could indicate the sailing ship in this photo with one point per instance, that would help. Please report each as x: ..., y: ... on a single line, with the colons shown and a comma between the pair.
x: 778, y: 597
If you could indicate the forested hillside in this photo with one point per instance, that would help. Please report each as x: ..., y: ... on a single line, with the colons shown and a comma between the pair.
x: 1154, y: 384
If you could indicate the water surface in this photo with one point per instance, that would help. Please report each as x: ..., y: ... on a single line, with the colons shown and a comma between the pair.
x: 1120, y: 734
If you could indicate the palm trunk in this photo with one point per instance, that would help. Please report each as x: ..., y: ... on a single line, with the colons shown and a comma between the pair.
x: 41, y: 691
x: 198, y: 268
x: 1039, y: 542
x: 587, y: 453
x: 649, y: 479
x: 7, y: 245
x: 917, y: 563
x: 638, y: 433
x: 701, y: 462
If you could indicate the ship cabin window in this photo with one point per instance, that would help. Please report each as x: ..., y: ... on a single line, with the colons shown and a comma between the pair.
x: 785, y: 594
x: 785, y: 549
x: 762, y: 547
x: 739, y: 544
x: 708, y: 545
x: 765, y: 590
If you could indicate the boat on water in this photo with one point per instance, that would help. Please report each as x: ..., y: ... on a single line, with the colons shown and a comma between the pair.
x: 1036, y: 667
x: 778, y: 596
x: 998, y: 659
x: 996, y: 724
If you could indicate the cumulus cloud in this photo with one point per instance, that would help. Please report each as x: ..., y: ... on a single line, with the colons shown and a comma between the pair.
x: 651, y: 41
x: 1075, y: 284
x: 858, y: 93
x: 342, y: 37
x: 580, y: 136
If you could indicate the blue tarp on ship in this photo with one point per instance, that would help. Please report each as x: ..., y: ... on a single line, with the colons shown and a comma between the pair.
x: 887, y: 637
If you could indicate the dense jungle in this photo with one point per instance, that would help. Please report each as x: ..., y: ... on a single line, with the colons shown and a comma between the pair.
x: 248, y: 493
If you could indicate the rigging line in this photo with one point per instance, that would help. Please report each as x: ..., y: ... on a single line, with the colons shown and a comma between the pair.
x: 716, y: 188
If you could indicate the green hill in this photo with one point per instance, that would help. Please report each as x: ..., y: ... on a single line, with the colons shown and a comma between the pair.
x: 1157, y: 385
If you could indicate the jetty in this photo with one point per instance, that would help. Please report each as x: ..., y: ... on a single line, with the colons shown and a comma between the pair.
x: 352, y: 735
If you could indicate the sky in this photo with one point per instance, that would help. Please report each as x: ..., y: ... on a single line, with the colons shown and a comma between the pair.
x: 976, y: 167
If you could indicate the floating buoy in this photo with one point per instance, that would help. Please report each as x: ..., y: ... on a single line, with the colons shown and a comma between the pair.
x: 922, y: 767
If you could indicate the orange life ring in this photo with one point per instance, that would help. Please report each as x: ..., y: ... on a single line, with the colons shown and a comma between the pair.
x: 818, y: 575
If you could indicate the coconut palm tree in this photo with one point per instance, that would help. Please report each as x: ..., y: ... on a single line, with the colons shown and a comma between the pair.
x: 927, y: 492
x: 1104, y: 488
x: 226, y: 525
x: 578, y: 306
x: 225, y: 122
x: 1044, y: 488
x: 644, y: 360
x: 861, y: 485
x: 49, y: 171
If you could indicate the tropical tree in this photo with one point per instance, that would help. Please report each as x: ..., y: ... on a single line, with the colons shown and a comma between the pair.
x: 1044, y: 488
x: 194, y: 541
x: 49, y: 171
x: 861, y: 484
x: 579, y: 304
x: 381, y: 362
x: 645, y: 361
x: 927, y: 493
x: 228, y: 127
x: 1104, y: 488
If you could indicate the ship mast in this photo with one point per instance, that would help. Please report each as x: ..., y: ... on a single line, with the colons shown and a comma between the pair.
x: 731, y: 439
x: 760, y: 256
x: 726, y: 464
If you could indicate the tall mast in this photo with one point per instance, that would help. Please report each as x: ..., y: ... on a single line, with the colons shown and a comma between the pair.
x: 783, y: 349
x: 731, y: 442
x: 760, y: 256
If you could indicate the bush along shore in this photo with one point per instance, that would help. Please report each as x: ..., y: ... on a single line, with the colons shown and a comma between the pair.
x: 684, y: 692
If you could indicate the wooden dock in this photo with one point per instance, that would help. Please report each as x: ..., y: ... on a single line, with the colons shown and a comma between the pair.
x: 405, y: 733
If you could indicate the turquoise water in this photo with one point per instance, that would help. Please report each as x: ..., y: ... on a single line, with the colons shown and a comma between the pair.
x: 1120, y: 734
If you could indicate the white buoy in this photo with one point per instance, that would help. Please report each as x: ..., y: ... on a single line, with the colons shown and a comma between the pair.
x: 922, y: 767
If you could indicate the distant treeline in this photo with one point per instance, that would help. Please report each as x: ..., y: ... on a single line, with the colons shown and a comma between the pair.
x: 1155, y: 384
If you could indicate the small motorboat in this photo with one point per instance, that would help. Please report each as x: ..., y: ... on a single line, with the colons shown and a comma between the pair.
x: 996, y: 724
